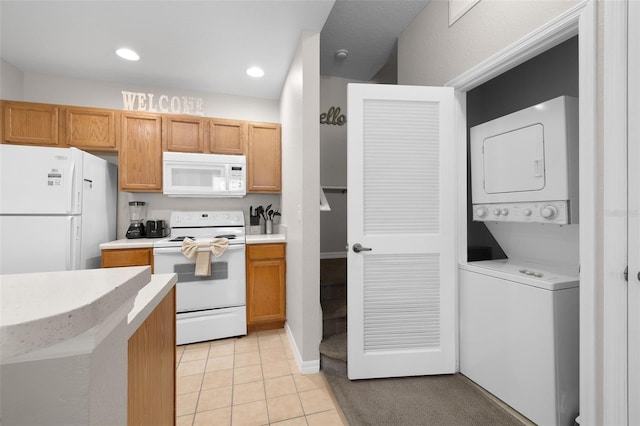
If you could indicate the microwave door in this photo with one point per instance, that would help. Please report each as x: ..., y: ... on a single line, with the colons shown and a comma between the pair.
x: 190, y: 179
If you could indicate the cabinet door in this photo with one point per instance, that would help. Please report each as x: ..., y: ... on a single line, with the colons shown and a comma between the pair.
x: 140, y: 154
x: 90, y: 128
x: 264, y: 158
x: 152, y: 366
x: 184, y: 134
x: 266, y: 294
x: 127, y: 257
x: 30, y: 124
x: 227, y: 136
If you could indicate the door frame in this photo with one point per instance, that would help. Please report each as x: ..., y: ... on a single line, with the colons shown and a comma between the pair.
x: 581, y: 19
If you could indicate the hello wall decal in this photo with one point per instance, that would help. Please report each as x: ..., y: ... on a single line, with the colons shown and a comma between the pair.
x: 135, y: 101
x: 333, y: 117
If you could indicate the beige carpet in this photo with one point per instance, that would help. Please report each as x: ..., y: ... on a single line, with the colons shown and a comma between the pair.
x: 448, y: 400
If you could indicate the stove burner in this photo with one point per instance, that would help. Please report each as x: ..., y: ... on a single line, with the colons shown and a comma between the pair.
x: 181, y: 238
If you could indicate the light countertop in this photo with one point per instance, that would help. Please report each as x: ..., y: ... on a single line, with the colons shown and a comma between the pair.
x: 41, y: 309
x: 149, y: 297
x: 266, y: 238
x: 148, y: 242
x: 126, y: 243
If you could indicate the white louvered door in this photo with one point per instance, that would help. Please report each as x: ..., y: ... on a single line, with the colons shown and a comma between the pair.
x: 402, y: 205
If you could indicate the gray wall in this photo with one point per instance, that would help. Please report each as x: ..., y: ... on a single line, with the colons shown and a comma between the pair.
x: 551, y: 74
x: 333, y: 168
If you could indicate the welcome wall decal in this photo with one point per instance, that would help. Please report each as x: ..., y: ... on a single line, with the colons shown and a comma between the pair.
x: 333, y: 117
x: 136, y: 101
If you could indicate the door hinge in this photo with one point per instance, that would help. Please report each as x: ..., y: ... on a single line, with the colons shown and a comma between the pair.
x: 626, y: 274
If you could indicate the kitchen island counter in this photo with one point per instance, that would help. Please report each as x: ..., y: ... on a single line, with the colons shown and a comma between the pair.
x: 66, y: 338
x: 41, y: 309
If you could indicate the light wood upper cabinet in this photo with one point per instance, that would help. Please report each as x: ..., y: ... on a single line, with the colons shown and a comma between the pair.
x: 264, y: 158
x: 266, y: 290
x: 184, y: 134
x: 140, y: 153
x: 227, y: 136
x: 28, y: 123
x: 91, y: 128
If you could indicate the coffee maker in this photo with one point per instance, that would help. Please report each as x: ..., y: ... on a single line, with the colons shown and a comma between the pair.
x: 137, y: 210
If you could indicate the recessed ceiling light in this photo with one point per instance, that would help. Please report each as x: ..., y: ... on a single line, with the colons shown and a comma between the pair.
x: 127, y: 54
x: 255, y: 72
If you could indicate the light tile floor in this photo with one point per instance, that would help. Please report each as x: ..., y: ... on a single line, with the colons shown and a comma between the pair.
x: 251, y: 380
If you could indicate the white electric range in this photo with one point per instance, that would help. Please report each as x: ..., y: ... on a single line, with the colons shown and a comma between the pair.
x: 208, y: 307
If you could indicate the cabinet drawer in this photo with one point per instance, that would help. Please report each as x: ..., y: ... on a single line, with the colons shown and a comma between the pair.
x: 127, y: 257
x: 266, y: 251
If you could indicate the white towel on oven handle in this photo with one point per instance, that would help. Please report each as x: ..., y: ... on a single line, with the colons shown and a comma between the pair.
x: 203, y: 258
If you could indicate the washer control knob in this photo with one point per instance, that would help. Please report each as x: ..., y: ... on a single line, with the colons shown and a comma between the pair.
x: 505, y: 212
x: 549, y: 212
x: 481, y: 211
x: 497, y: 212
x: 527, y: 212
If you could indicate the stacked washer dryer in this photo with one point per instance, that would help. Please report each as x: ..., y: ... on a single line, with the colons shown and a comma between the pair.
x: 519, y: 317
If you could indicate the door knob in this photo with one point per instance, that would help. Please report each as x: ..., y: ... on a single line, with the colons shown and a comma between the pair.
x: 357, y: 247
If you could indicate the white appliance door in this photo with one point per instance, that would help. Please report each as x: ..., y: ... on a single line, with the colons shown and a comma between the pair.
x: 225, y: 287
x: 99, y: 201
x: 40, y: 180
x: 402, y: 204
x: 514, y: 161
x: 39, y: 244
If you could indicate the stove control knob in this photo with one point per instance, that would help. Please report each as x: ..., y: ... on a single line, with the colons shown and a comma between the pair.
x: 505, y: 212
x: 497, y: 212
x: 527, y: 212
x: 549, y: 212
x: 481, y: 212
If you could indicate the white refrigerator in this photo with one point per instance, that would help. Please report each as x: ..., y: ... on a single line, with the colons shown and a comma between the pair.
x: 57, y: 205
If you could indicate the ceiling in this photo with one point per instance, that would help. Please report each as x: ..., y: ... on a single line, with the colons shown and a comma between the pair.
x: 203, y: 45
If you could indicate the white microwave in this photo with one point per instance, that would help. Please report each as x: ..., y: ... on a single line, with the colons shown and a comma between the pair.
x: 204, y: 175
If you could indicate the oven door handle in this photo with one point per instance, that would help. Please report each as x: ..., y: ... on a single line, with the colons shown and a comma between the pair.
x: 174, y: 250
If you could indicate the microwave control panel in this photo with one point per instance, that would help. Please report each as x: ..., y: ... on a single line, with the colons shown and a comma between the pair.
x: 236, y: 178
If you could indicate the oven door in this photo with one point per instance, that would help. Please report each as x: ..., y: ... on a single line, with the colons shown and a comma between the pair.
x: 224, y: 288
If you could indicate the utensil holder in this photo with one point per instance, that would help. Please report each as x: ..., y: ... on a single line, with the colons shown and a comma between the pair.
x: 269, y: 227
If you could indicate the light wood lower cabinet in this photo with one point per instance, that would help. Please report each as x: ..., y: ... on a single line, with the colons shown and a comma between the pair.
x: 114, y: 258
x: 152, y: 366
x: 266, y: 289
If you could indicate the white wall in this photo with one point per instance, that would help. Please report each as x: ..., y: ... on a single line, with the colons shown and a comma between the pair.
x: 299, y: 111
x: 11, y: 81
x: 104, y: 94
x: 101, y: 94
x: 432, y: 53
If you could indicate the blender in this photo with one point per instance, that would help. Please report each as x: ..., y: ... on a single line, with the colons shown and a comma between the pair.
x: 136, y: 215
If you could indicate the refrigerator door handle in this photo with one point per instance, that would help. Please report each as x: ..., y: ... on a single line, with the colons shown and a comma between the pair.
x: 73, y: 262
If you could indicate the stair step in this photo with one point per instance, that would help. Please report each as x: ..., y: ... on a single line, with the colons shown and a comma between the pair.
x: 333, y: 271
x: 335, y: 347
x: 334, y: 308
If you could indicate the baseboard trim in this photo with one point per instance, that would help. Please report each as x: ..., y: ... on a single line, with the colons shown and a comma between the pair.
x: 305, y: 367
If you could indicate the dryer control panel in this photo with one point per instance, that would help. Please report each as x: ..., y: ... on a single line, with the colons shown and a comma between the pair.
x: 556, y: 212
